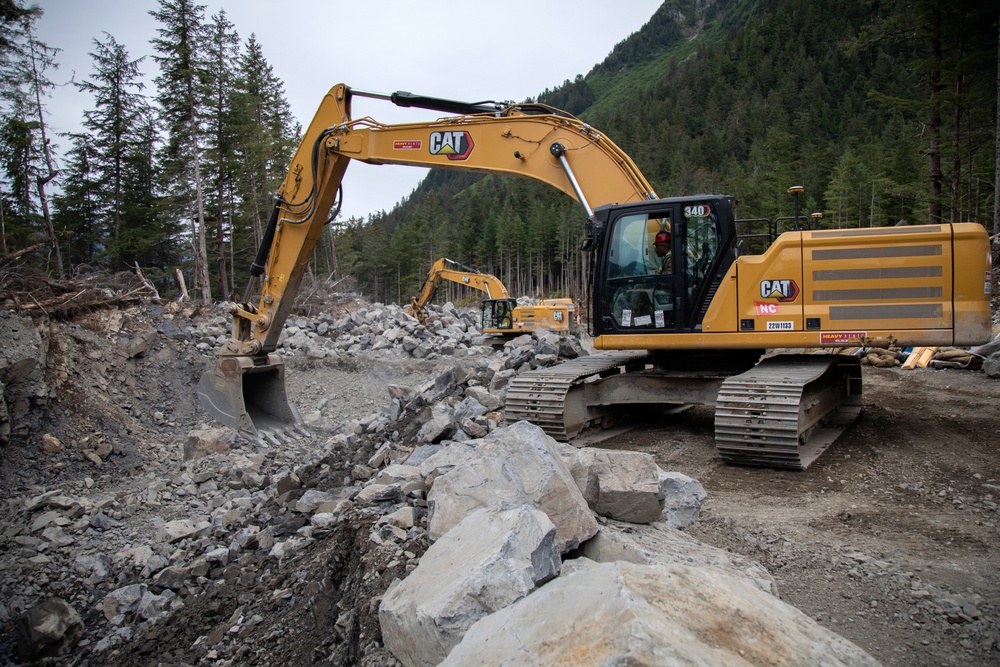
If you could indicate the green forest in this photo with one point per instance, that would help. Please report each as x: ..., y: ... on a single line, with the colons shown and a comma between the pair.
x: 885, y: 111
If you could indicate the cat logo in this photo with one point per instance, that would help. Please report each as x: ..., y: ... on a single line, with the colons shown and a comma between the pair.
x: 782, y: 290
x: 456, y: 144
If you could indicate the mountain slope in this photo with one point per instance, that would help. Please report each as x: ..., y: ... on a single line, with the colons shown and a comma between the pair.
x: 746, y: 97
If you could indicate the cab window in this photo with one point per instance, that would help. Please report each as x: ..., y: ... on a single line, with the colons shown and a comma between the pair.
x: 638, y: 292
x: 702, y: 243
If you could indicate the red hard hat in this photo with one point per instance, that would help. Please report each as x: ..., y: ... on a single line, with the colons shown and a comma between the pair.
x: 662, y: 237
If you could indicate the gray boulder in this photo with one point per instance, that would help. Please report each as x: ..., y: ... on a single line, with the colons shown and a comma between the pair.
x: 682, y: 499
x: 517, y: 465
x: 619, y: 484
x: 51, y: 628
x: 658, y: 544
x: 627, y: 614
x: 491, y: 559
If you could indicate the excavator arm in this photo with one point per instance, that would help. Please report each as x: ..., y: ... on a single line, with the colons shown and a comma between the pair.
x: 462, y: 275
x: 246, y: 388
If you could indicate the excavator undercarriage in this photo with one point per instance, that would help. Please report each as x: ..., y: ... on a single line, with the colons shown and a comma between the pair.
x: 783, y: 412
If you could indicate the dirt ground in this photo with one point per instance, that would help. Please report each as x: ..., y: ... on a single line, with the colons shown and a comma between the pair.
x: 889, y: 539
x: 894, y: 522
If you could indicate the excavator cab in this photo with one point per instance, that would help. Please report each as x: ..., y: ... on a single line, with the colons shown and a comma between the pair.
x: 641, y: 291
x: 498, y: 314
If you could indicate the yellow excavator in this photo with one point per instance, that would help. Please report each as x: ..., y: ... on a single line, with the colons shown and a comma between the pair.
x: 681, y: 315
x: 500, y: 314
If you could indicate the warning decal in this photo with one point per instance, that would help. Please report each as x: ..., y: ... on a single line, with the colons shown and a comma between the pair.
x: 842, y: 337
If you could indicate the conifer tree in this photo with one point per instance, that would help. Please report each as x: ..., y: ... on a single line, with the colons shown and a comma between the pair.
x: 222, y: 50
x: 182, y: 97
x: 115, y: 123
x: 150, y: 238
x: 15, y: 139
x: 80, y: 207
x: 26, y: 151
x: 17, y: 156
x: 264, y: 136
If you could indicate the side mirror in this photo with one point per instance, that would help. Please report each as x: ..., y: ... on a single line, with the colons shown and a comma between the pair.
x: 595, y: 231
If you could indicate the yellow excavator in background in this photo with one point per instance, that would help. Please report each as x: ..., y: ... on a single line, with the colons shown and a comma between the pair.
x: 500, y: 314
x: 682, y: 316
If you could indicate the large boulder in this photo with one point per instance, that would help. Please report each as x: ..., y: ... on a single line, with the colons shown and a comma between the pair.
x: 207, y: 440
x: 51, y: 628
x: 682, y: 499
x: 989, y: 348
x: 491, y: 559
x: 659, y: 544
x: 516, y: 465
x: 438, y: 426
x: 991, y: 365
x: 619, y: 484
x: 627, y: 614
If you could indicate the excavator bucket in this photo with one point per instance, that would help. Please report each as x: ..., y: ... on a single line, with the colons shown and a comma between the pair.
x: 250, y: 397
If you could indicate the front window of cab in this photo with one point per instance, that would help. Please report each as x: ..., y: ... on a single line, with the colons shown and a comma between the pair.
x: 638, y: 291
x: 629, y: 254
x: 658, y: 265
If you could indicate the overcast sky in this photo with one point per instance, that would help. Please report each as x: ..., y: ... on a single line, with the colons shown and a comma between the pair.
x: 468, y: 51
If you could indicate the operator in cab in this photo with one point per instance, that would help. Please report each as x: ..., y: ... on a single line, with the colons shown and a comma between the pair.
x: 661, y: 245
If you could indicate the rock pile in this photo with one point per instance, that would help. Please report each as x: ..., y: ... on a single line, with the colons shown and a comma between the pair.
x: 413, y: 533
x: 448, y: 332
x: 125, y: 554
x: 505, y: 516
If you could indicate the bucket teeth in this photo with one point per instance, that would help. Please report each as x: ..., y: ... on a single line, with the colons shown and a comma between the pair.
x: 248, y: 394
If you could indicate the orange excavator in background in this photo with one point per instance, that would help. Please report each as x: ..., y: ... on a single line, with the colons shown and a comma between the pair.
x: 500, y: 314
x: 696, y: 329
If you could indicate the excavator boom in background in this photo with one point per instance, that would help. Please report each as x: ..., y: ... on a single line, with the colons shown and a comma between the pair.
x: 688, y: 326
x: 500, y: 314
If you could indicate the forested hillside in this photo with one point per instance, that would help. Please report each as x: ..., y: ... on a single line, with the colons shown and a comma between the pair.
x: 885, y: 111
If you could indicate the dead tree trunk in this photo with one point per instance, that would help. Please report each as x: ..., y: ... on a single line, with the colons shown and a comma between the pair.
x: 52, y: 172
x: 202, y: 248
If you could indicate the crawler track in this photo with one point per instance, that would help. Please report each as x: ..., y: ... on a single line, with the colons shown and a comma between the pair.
x: 540, y: 396
x: 786, y: 411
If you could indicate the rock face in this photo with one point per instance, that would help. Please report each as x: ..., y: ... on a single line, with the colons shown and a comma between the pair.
x: 491, y: 559
x: 22, y: 361
x: 622, y: 613
x: 518, y: 465
x: 4, y: 419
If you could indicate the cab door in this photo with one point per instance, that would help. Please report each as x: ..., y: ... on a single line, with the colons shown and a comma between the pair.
x: 634, y: 293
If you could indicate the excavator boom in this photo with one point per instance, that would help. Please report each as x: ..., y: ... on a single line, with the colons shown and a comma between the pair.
x: 531, y: 141
x: 447, y: 269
